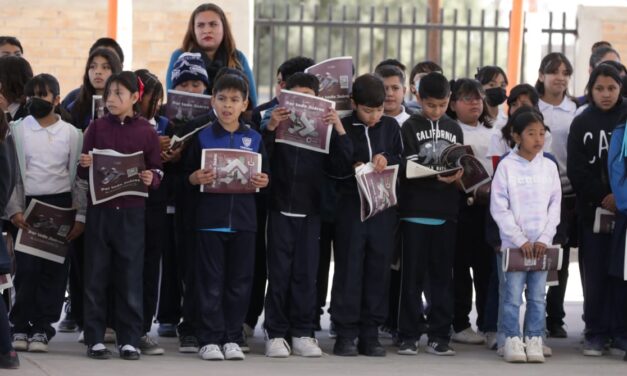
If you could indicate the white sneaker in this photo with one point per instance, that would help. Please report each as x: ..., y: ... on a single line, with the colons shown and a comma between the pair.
x: 468, y: 336
x: 149, y: 346
x: 490, y: 340
x: 306, y: 346
x: 534, y: 349
x: 81, y: 337
x: 514, y: 350
x: 277, y: 348
x: 546, y: 351
x: 232, y: 351
x: 19, y: 341
x: 211, y: 352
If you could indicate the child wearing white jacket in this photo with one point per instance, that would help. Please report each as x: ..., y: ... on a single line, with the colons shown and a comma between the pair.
x: 525, y: 203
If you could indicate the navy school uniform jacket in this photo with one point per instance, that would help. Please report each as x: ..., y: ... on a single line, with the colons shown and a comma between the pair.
x: 424, y: 141
x: 362, y: 144
x: 298, y: 174
x: 218, y: 210
x: 588, y: 144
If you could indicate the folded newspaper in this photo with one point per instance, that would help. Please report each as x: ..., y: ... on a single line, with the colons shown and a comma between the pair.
x: 48, y: 228
x: 515, y: 261
x: 475, y: 174
x: 377, y: 190
x: 604, y: 221
x: 5, y: 282
x: 177, y: 142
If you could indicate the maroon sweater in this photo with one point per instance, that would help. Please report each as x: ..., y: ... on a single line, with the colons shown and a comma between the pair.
x: 130, y: 136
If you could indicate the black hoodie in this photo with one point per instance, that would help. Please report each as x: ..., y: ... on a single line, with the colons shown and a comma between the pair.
x: 423, y: 141
x: 588, y: 144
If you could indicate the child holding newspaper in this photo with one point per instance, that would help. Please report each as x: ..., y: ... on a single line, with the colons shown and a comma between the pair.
x: 525, y: 203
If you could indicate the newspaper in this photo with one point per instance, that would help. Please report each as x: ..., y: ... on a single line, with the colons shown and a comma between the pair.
x: 475, y: 174
x: 234, y: 170
x: 5, y: 282
x: 183, y: 106
x: 377, y: 190
x: 305, y: 128
x: 177, y: 142
x: 113, y: 174
x: 336, y: 81
x: 46, y: 236
x: 604, y: 221
x: 97, y: 107
x: 416, y: 170
x: 515, y: 261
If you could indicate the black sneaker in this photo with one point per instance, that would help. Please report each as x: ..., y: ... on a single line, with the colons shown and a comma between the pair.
x: 128, y: 352
x: 440, y: 349
x: 188, y: 344
x: 557, y: 331
x: 100, y: 354
x: 370, y: 347
x: 9, y: 360
x: 344, y: 347
x: 408, y: 347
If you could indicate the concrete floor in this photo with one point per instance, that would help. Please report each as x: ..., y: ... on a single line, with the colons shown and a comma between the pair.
x: 67, y: 357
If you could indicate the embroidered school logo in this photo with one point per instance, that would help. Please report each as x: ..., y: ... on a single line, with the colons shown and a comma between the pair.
x: 247, y: 141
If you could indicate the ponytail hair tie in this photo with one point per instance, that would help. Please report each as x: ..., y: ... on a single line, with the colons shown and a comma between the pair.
x: 140, y: 88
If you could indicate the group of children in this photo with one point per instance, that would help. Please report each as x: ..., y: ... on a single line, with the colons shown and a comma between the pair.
x: 405, y: 271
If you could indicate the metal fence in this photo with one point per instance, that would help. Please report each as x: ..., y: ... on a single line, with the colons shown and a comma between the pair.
x: 468, y: 39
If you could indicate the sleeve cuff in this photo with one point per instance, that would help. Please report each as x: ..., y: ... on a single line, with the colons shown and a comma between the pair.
x: 80, y: 218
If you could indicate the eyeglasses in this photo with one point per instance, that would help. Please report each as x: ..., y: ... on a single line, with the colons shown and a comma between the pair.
x: 471, y: 98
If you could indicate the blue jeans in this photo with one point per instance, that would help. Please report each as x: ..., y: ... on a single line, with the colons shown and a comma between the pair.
x: 512, y: 286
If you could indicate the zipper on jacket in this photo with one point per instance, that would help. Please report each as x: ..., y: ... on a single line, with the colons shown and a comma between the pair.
x: 232, y: 198
x: 293, y: 180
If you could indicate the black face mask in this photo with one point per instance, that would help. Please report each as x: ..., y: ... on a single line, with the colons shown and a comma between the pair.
x: 38, y: 107
x: 495, y: 96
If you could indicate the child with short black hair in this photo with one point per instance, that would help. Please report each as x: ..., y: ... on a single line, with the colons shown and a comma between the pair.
x: 289, y: 67
x: 428, y: 211
x: 363, y: 250
x: 114, y: 236
x: 293, y: 232
x: 226, y: 226
x: 418, y: 71
x: 10, y: 46
x: 525, y: 203
x: 48, y: 149
x: 15, y: 72
x: 394, y: 84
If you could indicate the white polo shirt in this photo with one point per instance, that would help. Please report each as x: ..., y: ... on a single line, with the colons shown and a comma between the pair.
x: 478, y: 137
x: 47, y: 157
x: 558, y: 119
x: 400, y: 118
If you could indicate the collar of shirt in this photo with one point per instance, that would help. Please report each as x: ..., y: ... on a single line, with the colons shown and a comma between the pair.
x: 13, y: 107
x: 567, y: 105
x: 218, y: 129
x: 32, y: 124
